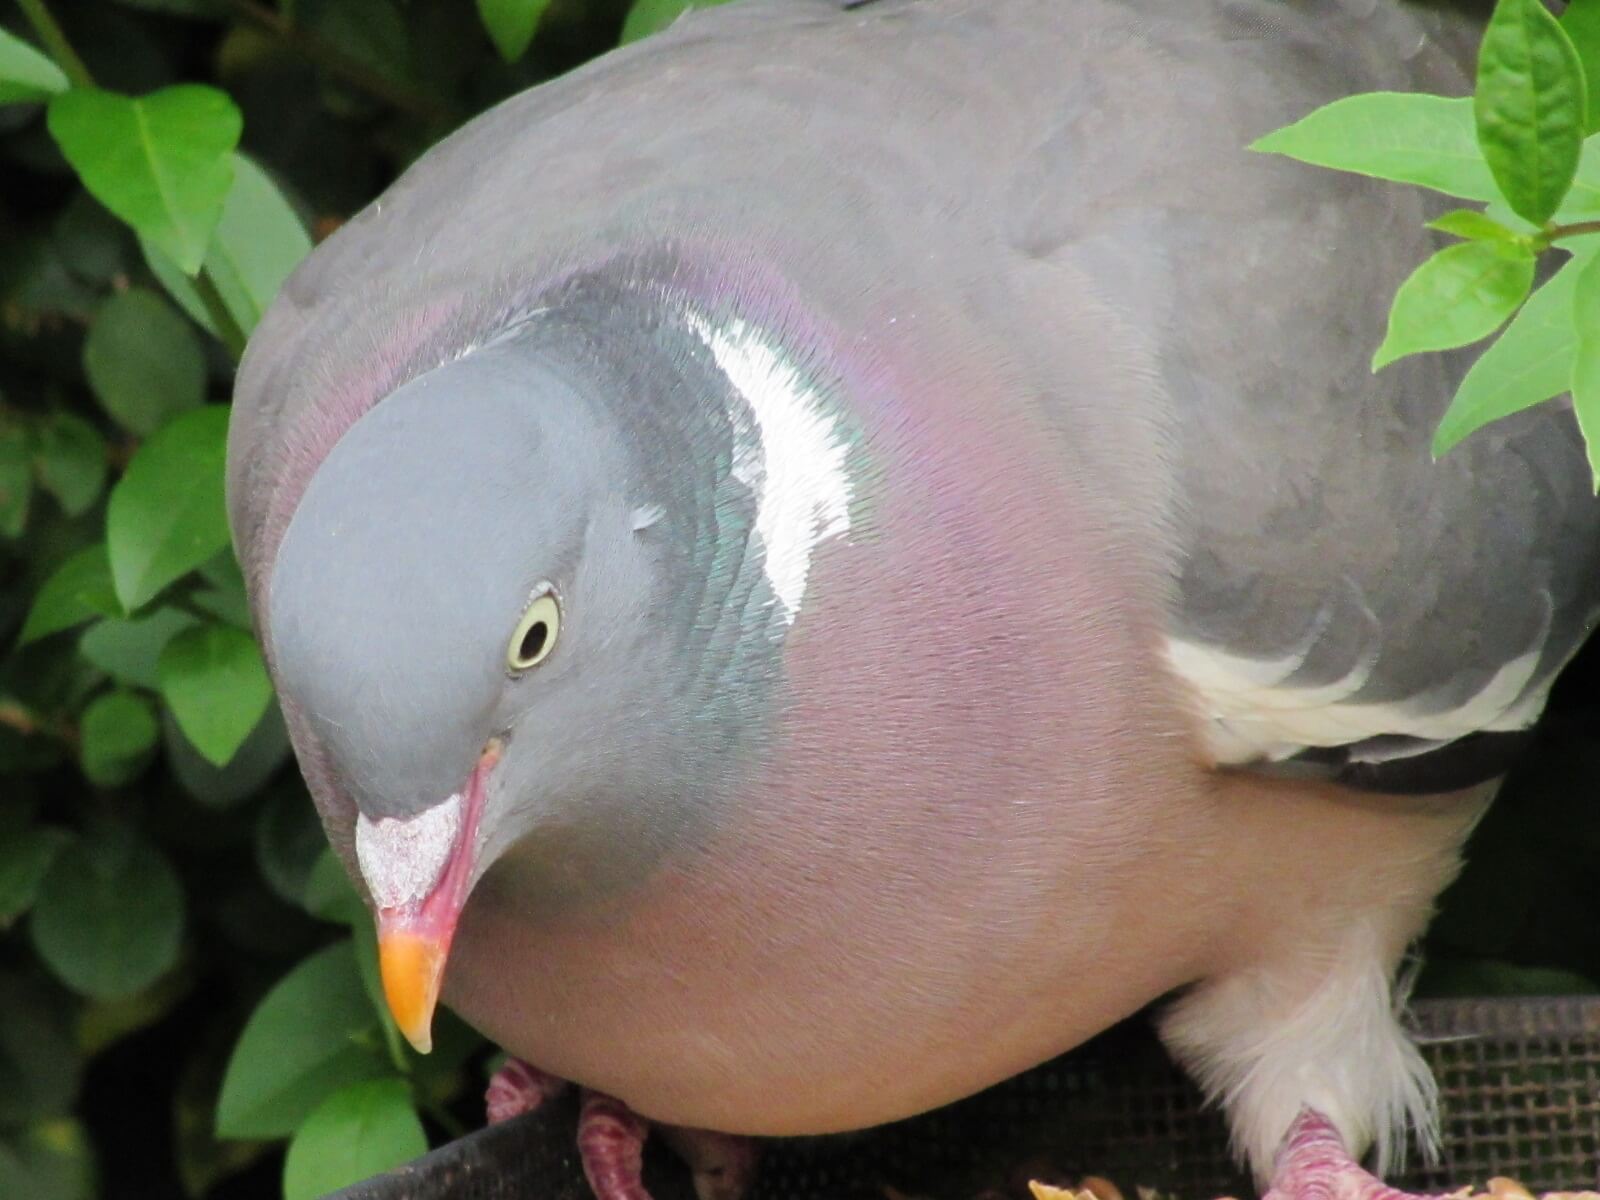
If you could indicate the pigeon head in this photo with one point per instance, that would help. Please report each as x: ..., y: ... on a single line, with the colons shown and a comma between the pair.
x: 514, y: 609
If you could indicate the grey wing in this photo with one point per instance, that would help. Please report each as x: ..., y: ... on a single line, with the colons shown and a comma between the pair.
x: 1342, y: 602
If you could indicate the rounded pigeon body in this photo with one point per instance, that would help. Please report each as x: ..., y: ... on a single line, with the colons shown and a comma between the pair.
x: 985, y: 568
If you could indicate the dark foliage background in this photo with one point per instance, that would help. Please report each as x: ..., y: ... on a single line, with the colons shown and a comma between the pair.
x: 152, y: 901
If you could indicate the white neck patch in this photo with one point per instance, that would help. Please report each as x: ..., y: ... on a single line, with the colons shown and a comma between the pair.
x: 794, y: 461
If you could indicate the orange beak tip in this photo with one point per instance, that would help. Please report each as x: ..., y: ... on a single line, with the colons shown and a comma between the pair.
x: 411, y: 966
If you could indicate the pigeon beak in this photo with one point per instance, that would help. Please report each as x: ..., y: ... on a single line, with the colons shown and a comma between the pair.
x: 416, y: 923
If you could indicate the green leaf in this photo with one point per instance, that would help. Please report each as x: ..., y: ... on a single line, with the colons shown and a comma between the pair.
x: 258, y: 242
x: 330, y: 895
x: 289, y: 842
x: 1461, y: 294
x: 1526, y: 365
x: 49, y: 1160
x: 314, y: 1033
x: 70, y: 457
x: 511, y: 24
x: 39, y: 1065
x: 109, y: 917
x: 26, y: 74
x: 359, y: 1131
x: 129, y: 649
x: 144, y: 361
x: 1582, y: 23
x: 16, y: 480
x: 1583, y: 200
x: 1529, y: 107
x: 263, y: 752
x: 214, y: 679
x: 1586, y: 361
x: 116, y: 737
x: 80, y: 590
x: 25, y: 856
x: 650, y: 16
x: 167, y: 513
x: 162, y: 162
x: 1403, y: 136
x: 1474, y: 225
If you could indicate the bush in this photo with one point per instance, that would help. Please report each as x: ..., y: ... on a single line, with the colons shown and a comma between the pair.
x: 187, y: 980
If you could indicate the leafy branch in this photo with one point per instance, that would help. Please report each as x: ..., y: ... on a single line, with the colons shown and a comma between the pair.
x: 1525, y: 147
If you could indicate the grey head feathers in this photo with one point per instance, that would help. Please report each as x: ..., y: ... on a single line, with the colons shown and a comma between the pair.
x: 597, y: 446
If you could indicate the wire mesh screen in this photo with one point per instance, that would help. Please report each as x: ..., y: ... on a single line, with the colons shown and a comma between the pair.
x: 1519, y: 1085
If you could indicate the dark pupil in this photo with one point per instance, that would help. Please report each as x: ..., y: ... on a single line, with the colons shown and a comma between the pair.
x: 533, y: 641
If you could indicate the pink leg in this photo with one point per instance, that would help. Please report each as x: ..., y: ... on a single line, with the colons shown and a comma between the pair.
x: 611, y: 1143
x: 519, y: 1088
x: 724, y: 1165
x: 1315, y: 1164
x: 611, y: 1139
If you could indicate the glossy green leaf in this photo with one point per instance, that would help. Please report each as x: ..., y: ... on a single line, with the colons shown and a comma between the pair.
x: 79, y: 591
x: 511, y: 24
x: 263, y: 752
x: 109, y: 916
x: 215, y: 681
x: 1530, y: 107
x: 1426, y: 140
x: 359, y: 1131
x: 115, y: 738
x: 1473, y: 225
x: 25, y: 856
x: 1463, y: 293
x: 1586, y: 361
x: 314, y: 1032
x: 26, y: 74
x: 167, y: 513
x: 1582, y: 24
x: 1583, y: 199
x: 144, y: 361
x: 257, y: 243
x: 162, y: 162
x: 69, y: 456
x: 129, y: 649
x: 651, y: 16
x: 1530, y: 362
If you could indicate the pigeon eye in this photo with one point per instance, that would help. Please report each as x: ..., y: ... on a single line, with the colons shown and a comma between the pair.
x: 535, y: 635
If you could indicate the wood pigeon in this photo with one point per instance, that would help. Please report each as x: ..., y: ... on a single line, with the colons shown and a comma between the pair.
x: 832, y: 554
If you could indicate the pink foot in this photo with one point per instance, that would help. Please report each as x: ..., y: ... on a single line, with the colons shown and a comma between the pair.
x: 1315, y: 1164
x: 611, y: 1139
x: 519, y: 1088
x: 611, y: 1143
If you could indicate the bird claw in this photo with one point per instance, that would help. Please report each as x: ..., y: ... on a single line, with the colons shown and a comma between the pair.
x: 518, y: 1088
x: 611, y: 1139
x: 1315, y: 1164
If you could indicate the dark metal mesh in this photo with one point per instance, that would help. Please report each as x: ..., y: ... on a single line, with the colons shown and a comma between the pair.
x: 1519, y: 1084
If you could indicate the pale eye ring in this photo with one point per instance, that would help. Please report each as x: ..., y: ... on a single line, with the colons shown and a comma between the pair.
x: 535, y: 635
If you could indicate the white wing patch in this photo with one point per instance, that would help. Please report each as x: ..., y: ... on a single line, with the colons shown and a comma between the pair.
x: 1251, y: 714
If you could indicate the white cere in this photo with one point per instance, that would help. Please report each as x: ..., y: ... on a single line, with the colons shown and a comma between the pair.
x: 401, y: 858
